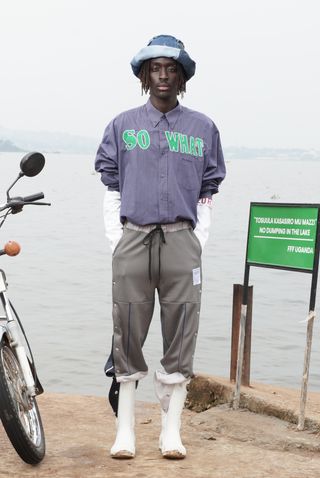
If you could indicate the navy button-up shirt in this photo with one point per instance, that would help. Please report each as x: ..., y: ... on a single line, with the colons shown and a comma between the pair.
x: 161, y: 163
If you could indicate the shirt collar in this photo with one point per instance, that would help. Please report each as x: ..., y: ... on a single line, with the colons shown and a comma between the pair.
x: 156, y: 115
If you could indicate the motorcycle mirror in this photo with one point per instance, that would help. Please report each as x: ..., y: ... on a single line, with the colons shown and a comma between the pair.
x: 31, y: 164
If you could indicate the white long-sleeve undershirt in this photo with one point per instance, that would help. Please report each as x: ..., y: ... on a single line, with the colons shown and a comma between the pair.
x: 114, y: 228
x: 111, y: 215
x: 202, y: 229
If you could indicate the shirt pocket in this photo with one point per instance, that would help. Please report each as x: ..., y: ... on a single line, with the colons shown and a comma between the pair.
x: 189, y: 173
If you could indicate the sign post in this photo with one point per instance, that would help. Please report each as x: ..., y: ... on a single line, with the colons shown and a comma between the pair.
x: 282, y: 236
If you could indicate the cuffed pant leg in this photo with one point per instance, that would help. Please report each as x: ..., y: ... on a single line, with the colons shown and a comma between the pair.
x: 131, y: 324
x: 180, y: 324
x: 133, y: 304
x: 180, y: 298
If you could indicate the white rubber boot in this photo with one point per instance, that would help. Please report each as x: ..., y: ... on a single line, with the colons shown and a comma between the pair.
x: 170, y: 440
x: 163, y: 426
x: 124, y: 445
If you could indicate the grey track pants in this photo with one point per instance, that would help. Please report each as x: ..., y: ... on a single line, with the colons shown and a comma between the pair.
x: 175, y: 269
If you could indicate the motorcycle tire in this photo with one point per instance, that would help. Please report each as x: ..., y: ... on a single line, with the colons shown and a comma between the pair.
x: 19, y: 413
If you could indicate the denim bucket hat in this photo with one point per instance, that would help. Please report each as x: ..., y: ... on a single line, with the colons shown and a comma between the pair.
x: 164, y: 46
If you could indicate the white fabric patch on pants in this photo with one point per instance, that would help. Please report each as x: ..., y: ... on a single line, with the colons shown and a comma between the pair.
x: 196, y: 276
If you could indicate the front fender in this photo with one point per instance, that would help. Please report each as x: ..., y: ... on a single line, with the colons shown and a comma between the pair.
x: 38, y: 386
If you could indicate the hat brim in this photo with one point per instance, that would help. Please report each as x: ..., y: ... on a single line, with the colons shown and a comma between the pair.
x: 159, y: 51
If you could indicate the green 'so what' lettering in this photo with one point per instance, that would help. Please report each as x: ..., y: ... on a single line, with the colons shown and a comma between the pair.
x: 143, y: 139
x: 129, y: 138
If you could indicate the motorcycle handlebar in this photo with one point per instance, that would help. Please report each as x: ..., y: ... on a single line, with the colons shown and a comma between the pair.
x: 17, y: 203
x: 33, y: 197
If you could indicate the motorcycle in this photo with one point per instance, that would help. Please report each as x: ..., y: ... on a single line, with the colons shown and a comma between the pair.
x: 19, y: 382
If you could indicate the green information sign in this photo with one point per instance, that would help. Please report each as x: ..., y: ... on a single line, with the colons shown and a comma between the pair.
x: 282, y: 235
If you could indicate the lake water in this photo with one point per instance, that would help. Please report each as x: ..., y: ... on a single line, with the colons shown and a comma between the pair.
x: 61, y: 281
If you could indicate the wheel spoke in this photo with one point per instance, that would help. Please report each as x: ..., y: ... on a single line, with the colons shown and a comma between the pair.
x: 25, y: 406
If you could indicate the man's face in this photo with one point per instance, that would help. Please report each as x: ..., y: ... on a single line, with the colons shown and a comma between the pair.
x: 163, y: 78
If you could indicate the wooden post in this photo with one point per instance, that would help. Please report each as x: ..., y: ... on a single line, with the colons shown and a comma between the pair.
x: 236, y: 314
x: 306, y: 366
x: 311, y: 317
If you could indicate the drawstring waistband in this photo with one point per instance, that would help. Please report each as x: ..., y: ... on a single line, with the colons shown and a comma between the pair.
x: 148, y: 242
x: 152, y: 229
x: 172, y: 227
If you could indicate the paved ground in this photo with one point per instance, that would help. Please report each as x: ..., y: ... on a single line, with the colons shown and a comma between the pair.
x: 221, y: 442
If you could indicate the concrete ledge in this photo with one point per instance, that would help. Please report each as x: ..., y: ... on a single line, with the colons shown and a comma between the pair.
x: 206, y: 391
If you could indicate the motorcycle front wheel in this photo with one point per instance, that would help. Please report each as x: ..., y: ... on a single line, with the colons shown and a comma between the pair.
x: 19, y: 413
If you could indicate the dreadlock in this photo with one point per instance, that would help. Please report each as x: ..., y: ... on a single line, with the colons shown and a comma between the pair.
x: 144, y: 76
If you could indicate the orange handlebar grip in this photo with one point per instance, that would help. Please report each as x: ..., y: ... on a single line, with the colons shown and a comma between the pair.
x: 12, y: 248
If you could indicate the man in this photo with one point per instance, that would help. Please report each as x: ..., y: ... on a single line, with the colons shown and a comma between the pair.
x: 161, y: 163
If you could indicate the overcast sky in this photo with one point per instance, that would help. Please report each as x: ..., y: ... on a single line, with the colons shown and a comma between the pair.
x: 64, y: 64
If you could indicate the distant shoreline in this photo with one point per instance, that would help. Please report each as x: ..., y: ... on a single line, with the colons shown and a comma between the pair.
x: 228, y: 157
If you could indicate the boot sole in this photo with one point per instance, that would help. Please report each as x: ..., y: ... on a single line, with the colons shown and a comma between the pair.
x: 173, y: 455
x: 123, y: 455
